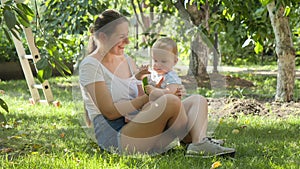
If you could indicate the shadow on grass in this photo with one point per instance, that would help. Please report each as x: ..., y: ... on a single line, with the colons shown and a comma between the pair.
x: 43, y: 134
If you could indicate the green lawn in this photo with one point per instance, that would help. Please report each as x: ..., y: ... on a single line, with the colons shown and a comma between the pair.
x: 39, y: 136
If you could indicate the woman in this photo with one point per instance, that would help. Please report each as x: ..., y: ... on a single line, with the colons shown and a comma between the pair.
x: 111, y: 89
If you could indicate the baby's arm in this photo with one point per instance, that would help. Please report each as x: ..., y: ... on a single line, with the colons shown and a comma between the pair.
x: 155, y: 92
x: 171, y: 88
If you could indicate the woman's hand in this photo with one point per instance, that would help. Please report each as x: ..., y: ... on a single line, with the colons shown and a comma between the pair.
x: 143, y: 72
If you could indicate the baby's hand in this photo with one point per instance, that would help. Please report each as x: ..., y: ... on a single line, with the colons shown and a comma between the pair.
x: 180, y: 92
x: 149, y: 89
x: 143, y: 71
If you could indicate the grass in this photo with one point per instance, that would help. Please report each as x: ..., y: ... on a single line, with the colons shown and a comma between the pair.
x: 39, y: 136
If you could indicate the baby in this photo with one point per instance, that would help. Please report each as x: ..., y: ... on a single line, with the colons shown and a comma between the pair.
x: 163, y: 78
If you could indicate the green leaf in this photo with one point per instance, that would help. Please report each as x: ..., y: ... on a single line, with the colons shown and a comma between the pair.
x: 287, y: 11
x: 40, y: 75
x: 22, y: 17
x: 145, y: 82
x: 47, y: 72
x: 9, y: 3
x: 265, y: 2
x: 10, y: 19
x: 44, y: 74
x: 4, y: 105
x: 93, y: 10
x: 27, y: 10
x: 67, y: 41
x: 51, y: 47
x: 42, y: 64
x: 60, y: 64
x: 7, y: 35
x: 40, y: 43
x: 14, y: 32
x: 23, y: 22
x: 61, y: 71
x: 258, y: 48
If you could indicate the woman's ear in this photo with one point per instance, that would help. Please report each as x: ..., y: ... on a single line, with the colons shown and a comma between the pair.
x: 175, y: 60
x: 102, y: 37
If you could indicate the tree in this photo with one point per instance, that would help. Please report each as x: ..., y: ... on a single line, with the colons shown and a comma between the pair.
x: 198, y: 13
x: 285, y: 51
x: 279, y: 21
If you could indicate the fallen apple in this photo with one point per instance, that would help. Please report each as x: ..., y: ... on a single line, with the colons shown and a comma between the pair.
x: 235, y: 131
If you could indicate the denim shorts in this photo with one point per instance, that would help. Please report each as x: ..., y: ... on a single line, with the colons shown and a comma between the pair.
x: 107, y: 132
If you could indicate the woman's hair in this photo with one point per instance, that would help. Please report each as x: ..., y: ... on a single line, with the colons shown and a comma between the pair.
x: 166, y: 43
x: 106, y: 22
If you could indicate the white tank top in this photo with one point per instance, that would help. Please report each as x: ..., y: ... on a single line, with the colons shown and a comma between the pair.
x: 91, y: 71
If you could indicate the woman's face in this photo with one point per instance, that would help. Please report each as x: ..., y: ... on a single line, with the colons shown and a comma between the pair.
x: 119, y: 39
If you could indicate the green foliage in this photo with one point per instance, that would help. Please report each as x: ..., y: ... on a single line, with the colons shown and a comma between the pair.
x: 206, y: 92
x: 12, y: 16
x: 295, y: 26
x: 61, y: 28
x: 7, y: 49
x: 249, y: 24
x: 5, y: 107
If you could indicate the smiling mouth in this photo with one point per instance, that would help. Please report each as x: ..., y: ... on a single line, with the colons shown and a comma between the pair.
x: 159, y: 71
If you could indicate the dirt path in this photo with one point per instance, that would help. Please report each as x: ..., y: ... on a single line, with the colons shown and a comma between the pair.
x: 183, y: 69
x: 254, y: 71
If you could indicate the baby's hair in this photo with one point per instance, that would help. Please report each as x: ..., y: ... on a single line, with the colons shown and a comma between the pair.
x: 166, y: 43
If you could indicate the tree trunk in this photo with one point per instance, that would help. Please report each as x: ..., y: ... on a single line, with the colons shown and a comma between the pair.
x: 198, y: 62
x: 285, y: 53
x: 200, y: 51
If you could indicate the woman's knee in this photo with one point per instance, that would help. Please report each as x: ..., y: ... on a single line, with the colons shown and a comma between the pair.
x: 174, y: 107
x: 199, y: 99
x: 173, y: 102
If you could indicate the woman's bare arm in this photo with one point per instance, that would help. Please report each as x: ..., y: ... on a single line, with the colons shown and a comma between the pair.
x: 103, y: 100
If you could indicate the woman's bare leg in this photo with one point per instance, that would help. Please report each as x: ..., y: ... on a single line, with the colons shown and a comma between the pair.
x: 197, y: 111
x: 154, y: 124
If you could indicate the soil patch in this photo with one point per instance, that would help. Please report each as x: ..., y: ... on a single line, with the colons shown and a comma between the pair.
x: 235, y: 106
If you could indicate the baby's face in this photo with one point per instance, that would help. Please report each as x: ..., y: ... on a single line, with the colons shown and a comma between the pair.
x: 163, y: 60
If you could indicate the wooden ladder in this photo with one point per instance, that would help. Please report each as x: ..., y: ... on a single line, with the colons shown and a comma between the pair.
x: 24, y: 60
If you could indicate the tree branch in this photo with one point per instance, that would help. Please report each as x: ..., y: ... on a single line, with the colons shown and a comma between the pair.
x: 136, y: 15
